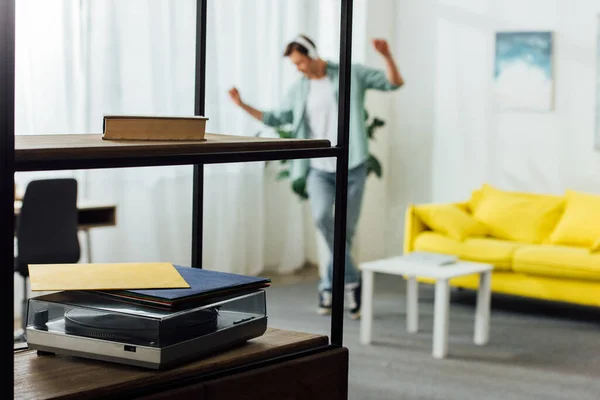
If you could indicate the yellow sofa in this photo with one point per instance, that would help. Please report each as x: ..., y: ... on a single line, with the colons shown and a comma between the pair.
x: 542, y: 246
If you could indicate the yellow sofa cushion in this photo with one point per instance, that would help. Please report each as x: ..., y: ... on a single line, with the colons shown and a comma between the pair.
x: 450, y: 220
x: 476, y: 197
x: 520, y: 217
x: 596, y: 246
x: 557, y: 261
x: 580, y: 223
x: 487, y: 250
x: 478, y: 194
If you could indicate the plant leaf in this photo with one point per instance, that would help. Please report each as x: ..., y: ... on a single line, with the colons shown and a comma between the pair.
x: 299, y: 187
x: 284, y: 134
x: 283, y: 174
x: 373, y: 165
x: 378, y: 122
x: 370, y: 131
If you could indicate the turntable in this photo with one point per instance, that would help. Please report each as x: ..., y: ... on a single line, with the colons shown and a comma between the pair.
x: 89, y: 325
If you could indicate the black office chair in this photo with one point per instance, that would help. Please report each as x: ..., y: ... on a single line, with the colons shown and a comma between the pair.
x: 46, y: 229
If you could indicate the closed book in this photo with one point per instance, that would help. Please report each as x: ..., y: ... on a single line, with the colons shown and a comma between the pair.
x: 205, y: 286
x: 164, y: 128
x: 426, y: 257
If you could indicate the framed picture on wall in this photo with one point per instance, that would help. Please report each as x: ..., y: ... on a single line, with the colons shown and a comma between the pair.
x: 523, y: 71
x: 597, y: 121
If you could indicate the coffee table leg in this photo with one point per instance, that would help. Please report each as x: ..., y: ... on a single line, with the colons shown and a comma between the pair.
x: 440, y: 318
x: 412, y: 305
x: 482, y: 311
x: 366, y: 319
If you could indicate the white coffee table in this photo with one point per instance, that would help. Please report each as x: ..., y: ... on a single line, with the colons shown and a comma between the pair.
x: 442, y: 274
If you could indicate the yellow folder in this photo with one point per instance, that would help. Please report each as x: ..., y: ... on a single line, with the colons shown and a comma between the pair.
x: 54, y: 277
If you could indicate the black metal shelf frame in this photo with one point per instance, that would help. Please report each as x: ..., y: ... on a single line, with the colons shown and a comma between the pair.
x: 8, y: 167
x: 7, y: 177
x: 95, y: 162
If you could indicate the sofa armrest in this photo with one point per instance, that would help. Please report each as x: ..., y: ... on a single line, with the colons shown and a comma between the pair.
x: 413, y: 226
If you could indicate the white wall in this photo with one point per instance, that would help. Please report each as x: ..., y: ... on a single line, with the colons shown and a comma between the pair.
x: 404, y: 144
x: 444, y: 137
x: 370, y: 241
x: 529, y: 151
x: 410, y: 149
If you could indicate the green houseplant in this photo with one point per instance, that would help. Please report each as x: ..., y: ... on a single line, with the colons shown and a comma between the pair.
x: 373, y: 164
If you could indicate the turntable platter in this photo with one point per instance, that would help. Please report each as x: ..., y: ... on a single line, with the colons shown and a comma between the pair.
x: 122, y: 328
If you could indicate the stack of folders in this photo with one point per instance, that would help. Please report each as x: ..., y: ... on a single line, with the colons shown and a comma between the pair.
x: 157, y: 284
x: 206, y: 286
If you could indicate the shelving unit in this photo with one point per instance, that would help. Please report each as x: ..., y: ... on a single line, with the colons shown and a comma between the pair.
x: 60, y: 152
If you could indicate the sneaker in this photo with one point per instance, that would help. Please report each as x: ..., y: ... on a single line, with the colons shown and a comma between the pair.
x: 324, y: 302
x: 353, y: 292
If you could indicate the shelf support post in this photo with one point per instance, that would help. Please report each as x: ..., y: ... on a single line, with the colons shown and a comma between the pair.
x: 199, y: 109
x: 7, y: 178
x: 341, y: 182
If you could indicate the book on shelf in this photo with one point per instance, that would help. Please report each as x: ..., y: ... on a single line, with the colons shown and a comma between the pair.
x: 147, y: 127
x: 205, y: 286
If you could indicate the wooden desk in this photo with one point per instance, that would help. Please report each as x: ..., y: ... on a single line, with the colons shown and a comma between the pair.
x: 92, y: 214
x: 320, y: 376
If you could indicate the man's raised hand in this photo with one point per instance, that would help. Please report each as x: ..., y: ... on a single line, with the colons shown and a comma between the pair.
x: 235, y: 96
x: 382, y: 47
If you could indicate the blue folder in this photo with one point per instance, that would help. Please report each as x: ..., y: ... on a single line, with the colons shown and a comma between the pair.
x: 204, y: 284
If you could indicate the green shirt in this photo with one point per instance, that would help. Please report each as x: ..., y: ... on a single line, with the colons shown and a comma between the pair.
x: 294, y: 105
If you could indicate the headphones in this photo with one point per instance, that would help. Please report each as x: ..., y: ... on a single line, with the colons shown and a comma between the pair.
x: 312, y: 51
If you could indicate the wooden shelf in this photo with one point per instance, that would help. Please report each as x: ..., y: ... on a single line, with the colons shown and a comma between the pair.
x: 80, y: 151
x: 44, y: 377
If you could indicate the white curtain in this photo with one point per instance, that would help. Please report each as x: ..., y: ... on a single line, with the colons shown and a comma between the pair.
x: 77, y: 60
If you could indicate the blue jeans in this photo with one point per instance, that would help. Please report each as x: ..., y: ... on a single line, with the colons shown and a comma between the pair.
x: 320, y: 187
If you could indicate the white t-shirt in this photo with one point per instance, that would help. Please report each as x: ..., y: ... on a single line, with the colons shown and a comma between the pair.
x: 322, y: 118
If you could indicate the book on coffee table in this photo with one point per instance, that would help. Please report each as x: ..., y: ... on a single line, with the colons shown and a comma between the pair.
x: 426, y: 257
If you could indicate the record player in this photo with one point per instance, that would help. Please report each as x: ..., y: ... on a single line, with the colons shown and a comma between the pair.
x: 90, y: 325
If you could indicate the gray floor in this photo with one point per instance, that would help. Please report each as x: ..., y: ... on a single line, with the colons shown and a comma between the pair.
x: 536, y: 350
